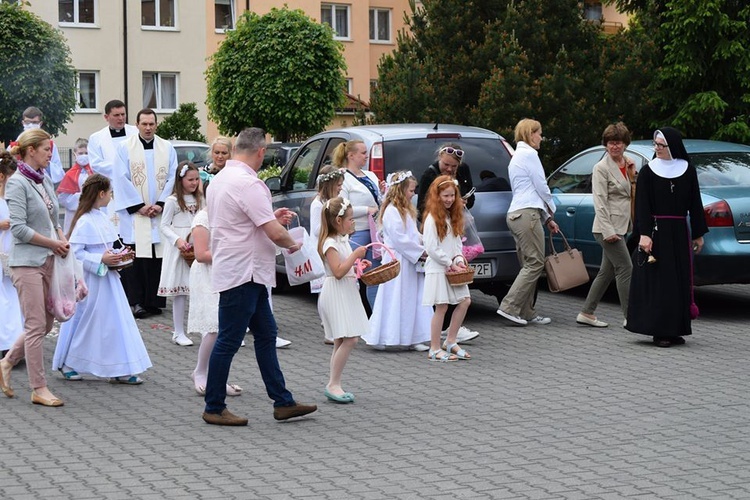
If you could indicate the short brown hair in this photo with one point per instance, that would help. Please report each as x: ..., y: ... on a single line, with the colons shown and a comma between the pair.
x: 616, y: 132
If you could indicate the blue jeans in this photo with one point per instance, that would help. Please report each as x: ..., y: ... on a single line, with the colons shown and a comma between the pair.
x: 239, y: 308
x: 361, y: 238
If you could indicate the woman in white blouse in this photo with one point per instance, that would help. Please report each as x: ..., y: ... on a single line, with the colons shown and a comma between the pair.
x: 363, y: 189
x: 531, y: 209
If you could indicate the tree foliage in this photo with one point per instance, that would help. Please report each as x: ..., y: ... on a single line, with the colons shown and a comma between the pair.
x: 282, y: 71
x: 36, y: 71
x: 702, y: 84
x: 183, y: 124
x: 491, y: 63
x: 685, y: 63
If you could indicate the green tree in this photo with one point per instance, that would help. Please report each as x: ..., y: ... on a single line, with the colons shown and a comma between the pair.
x: 282, y: 71
x: 702, y: 85
x: 36, y: 71
x: 492, y: 63
x: 183, y: 124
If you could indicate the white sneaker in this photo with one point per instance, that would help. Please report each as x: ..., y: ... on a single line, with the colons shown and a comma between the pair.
x: 282, y: 343
x: 540, y: 320
x: 515, y: 319
x: 420, y: 347
x: 181, y: 339
x: 465, y: 335
x: 242, y: 344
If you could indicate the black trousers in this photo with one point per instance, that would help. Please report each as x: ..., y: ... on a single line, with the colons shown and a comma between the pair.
x: 141, y: 281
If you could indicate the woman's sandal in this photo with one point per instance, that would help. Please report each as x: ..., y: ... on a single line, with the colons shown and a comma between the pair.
x: 457, y: 350
x: 441, y: 355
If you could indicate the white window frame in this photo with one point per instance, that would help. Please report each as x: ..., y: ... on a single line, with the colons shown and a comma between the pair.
x: 234, y: 18
x: 157, y: 18
x: 76, y: 9
x: 332, y: 7
x: 159, y: 75
x: 349, y: 85
x: 374, y: 14
x: 95, y: 109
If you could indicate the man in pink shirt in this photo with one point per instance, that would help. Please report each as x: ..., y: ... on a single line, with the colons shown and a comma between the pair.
x: 244, y: 229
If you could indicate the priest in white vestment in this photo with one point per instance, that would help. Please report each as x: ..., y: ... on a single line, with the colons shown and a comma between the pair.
x: 143, y: 177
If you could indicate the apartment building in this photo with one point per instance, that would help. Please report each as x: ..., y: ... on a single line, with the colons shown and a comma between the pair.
x: 153, y: 53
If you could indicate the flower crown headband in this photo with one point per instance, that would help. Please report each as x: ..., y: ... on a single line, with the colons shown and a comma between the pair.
x: 329, y: 176
x: 345, y: 204
x: 454, y: 181
x: 397, y: 178
x: 183, y: 170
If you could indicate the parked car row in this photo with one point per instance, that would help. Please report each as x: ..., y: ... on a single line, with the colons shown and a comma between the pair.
x: 724, y: 180
x: 723, y: 175
x: 414, y: 147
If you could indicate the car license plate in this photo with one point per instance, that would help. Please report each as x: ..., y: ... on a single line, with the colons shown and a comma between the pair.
x: 482, y: 270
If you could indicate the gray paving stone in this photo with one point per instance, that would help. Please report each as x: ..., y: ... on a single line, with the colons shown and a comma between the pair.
x: 557, y: 411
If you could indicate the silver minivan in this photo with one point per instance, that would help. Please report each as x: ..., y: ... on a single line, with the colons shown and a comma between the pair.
x: 414, y: 147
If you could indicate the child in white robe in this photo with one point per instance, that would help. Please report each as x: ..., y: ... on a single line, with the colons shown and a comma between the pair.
x: 11, y: 325
x: 441, y: 232
x: 69, y: 190
x: 176, y: 219
x: 340, y: 308
x: 398, y: 316
x: 203, y: 316
x: 102, y: 338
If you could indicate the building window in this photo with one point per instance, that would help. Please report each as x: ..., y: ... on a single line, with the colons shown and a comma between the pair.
x: 337, y: 17
x: 160, y: 91
x: 592, y: 10
x: 76, y: 11
x: 158, y: 13
x: 86, y: 91
x: 224, y: 14
x: 380, y: 25
x: 349, y: 85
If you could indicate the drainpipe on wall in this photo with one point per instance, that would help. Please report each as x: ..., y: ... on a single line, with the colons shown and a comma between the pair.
x: 125, y: 52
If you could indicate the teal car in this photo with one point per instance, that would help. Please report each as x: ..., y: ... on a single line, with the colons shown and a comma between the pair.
x: 724, y: 179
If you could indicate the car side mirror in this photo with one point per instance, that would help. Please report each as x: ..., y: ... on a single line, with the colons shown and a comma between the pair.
x: 274, y: 183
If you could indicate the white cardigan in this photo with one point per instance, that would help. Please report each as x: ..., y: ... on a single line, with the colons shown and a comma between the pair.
x: 360, y: 196
x: 440, y: 254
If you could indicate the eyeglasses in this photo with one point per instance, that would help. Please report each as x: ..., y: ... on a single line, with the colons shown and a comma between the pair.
x: 659, y: 145
x: 458, y: 153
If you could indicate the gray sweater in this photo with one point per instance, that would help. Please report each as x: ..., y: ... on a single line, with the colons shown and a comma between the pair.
x: 28, y: 216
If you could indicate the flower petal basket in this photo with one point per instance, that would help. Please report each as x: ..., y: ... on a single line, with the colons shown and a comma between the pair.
x: 380, y: 274
x: 460, y: 278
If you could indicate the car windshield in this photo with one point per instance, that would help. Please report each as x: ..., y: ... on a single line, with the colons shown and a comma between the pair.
x: 195, y: 154
x: 722, y: 169
x: 486, y: 158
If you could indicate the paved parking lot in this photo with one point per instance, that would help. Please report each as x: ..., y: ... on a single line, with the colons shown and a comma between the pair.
x: 543, y: 412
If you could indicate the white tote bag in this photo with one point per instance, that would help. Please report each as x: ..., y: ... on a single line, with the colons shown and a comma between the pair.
x: 305, y: 264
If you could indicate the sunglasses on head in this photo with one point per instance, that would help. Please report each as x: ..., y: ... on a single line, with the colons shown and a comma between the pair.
x: 458, y: 153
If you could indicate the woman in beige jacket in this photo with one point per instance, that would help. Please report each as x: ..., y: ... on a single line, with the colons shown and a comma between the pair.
x: 611, y: 185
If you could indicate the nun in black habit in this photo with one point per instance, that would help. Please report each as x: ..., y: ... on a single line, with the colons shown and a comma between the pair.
x: 661, y: 291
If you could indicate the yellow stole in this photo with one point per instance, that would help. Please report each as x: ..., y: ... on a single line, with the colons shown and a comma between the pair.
x: 139, y: 178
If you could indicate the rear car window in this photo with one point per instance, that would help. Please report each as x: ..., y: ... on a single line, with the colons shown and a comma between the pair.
x: 722, y: 169
x: 481, y: 155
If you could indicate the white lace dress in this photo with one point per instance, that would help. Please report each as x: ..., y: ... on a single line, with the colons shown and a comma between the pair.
x: 203, y: 316
x: 175, y: 223
x: 339, y: 305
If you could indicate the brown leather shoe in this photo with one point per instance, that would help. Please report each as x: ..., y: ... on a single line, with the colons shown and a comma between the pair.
x: 224, y: 418
x: 296, y: 410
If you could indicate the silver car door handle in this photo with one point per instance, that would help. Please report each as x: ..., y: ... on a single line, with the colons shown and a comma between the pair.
x: 570, y: 210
